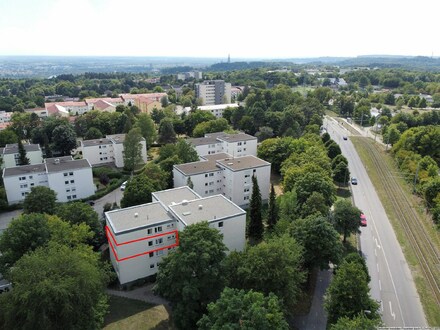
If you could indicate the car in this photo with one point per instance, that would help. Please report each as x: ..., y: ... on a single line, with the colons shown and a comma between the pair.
x: 91, y: 203
x: 344, y: 137
x: 123, y: 185
x: 363, y: 220
x: 354, y: 181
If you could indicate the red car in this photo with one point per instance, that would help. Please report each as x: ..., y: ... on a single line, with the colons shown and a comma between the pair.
x: 363, y: 220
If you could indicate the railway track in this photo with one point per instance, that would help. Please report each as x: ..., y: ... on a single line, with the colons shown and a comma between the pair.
x: 427, y: 254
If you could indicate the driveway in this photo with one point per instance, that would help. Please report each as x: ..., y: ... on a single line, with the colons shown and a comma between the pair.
x: 114, y: 197
x: 6, y: 218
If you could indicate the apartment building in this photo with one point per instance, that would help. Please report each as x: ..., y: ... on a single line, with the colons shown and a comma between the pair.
x: 108, y: 150
x: 66, y: 108
x: 213, y: 92
x: 223, y: 174
x: 145, y: 102
x: 215, y: 109
x: 140, y: 236
x: 11, y: 155
x: 237, y: 145
x: 70, y: 179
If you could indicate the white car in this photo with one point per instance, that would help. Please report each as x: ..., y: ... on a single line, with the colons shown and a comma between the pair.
x: 123, y: 185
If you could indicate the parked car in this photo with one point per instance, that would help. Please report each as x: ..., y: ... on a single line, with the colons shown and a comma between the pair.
x: 363, y: 220
x: 354, y: 181
x: 344, y: 137
x: 90, y: 202
x: 123, y: 185
x: 5, y: 287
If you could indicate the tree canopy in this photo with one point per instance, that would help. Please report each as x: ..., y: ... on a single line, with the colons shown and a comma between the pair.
x: 40, y: 200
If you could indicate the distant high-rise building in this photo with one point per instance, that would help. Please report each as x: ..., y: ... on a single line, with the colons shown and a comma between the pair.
x: 213, y: 92
x: 229, y: 58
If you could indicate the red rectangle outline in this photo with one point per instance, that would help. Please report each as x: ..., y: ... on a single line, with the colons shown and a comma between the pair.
x: 110, y: 235
x: 139, y: 239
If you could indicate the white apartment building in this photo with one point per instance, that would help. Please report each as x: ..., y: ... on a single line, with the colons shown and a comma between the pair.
x: 108, y: 150
x: 213, y: 92
x: 223, y: 174
x: 70, y: 179
x: 237, y: 145
x: 139, y: 236
x: 216, y: 109
x: 5, y: 117
x: 11, y: 155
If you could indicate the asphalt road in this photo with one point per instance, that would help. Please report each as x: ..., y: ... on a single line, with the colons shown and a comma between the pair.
x: 114, y: 197
x: 391, y: 280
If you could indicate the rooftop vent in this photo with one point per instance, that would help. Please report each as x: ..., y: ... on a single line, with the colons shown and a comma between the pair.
x: 230, y: 164
x: 136, y: 215
x: 186, y: 213
x: 56, y: 161
x: 200, y: 207
x: 184, y: 202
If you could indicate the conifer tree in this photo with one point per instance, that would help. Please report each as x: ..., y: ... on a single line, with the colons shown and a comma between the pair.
x: 272, y: 215
x: 256, y: 228
x: 22, y: 159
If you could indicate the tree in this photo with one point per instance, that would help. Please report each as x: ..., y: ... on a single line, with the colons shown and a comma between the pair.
x: 64, y: 139
x: 359, y: 322
x: 348, y: 294
x: 166, y: 131
x: 22, y: 159
x: 245, y: 310
x: 272, y: 214
x: 146, y: 125
x: 320, y: 241
x: 186, y: 152
x: 312, y: 182
x: 50, y: 290
x: 132, y: 149
x: 333, y: 150
x: 79, y: 212
x: 341, y: 173
x: 273, y: 266
x: 93, y: 133
x: 256, y: 228
x: 346, y: 218
x: 193, y: 276
x: 138, y: 191
x: 40, y: 200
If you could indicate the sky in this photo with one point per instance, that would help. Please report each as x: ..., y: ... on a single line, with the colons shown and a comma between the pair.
x: 205, y: 28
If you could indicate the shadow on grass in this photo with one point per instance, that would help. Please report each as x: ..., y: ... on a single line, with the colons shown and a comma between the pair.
x: 120, y: 308
x: 343, y: 192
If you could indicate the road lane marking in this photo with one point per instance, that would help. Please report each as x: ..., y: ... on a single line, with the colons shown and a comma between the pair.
x: 380, y: 286
x: 377, y: 244
x: 377, y: 266
x: 391, y: 311
x: 381, y: 306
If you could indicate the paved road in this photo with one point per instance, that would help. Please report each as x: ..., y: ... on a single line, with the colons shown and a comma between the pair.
x: 114, y: 197
x: 391, y: 280
x: 6, y: 218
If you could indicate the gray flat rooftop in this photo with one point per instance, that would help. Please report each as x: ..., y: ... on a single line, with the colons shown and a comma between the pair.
x: 147, y: 214
x: 176, y: 195
x: 237, y: 137
x: 243, y: 163
x: 13, y: 148
x: 96, y: 142
x: 202, y: 141
x: 211, y: 208
x: 215, y: 134
x: 220, y: 155
x: 117, y: 138
x: 197, y: 167
x: 65, y: 164
x: 24, y: 170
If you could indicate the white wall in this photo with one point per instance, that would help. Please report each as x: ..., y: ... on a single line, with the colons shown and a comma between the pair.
x: 81, y: 187
x: 118, y: 149
x: 98, y: 154
x: 17, y: 187
x: 241, y: 148
x: 233, y: 230
x: 35, y: 157
x: 204, y: 184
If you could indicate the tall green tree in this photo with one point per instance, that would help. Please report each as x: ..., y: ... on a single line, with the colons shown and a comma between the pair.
x: 348, y: 294
x: 148, y: 130
x: 193, y: 276
x: 275, y: 265
x: 359, y: 322
x: 320, y: 241
x: 50, y: 290
x: 245, y: 310
x: 346, y: 218
x: 64, y: 139
x: 22, y: 156
x: 256, y: 227
x: 132, y: 149
x: 166, y: 131
x: 40, y: 200
x: 138, y: 191
x: 272, y: 214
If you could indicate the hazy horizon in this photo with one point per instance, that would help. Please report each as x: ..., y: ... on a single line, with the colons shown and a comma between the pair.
x: 275, y: 30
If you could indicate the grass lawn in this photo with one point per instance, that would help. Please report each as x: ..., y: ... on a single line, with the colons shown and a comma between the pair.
x: 130, y: 314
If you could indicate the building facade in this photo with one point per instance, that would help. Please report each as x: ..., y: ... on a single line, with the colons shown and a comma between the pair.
x: 216, y: 109
x: 70, y: 179
x: 11, y: 155
x: 140, y: 236
x: 213, y: 92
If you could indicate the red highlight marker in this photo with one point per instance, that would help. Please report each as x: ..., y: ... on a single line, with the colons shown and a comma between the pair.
x: 111, y: 238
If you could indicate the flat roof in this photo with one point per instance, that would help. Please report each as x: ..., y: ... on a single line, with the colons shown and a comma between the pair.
x: 237, y: 137
x: 138, y: 216
x: 243, y: 163
x: 202, y: 141
x: 13, y: 148
x: 25, y: 169
x: 217, y: 106
x: 175, y: 195
x: 65, y: 164
x: 220, y: 155
x: 197, y: 167
x: 116, y: 138
x: 95, y: 142
x: 212, y: 208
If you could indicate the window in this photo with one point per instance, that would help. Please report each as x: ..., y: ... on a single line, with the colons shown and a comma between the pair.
x: 211, y: 183
x: 206, y: 175
x: 152, y: 266
x: 220, y: 224
x: 23, y: 186
x: 69, y: 197
x: 149, y: 231
x: 206, y: 183
x: 73, y: 196
x: 65, y: 174
x: 211, y: 174
x: 31, y: 177
x: 66, y: 182
x: 150, y: 243
x: 151, y: 254
x: 246, y: 198
x: 255, y: 170
x: 239, y: 143
x: 244, y: 149
x: 170, y: 237
x: 247, y: 175
x: 72, y: 181
x: 32, y: 184
x: 246, y: 190
x: 22, y: 178
x: 159, y: 253
x: 158, y: 229
x: 67, y: 190
x: 159, y: 241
